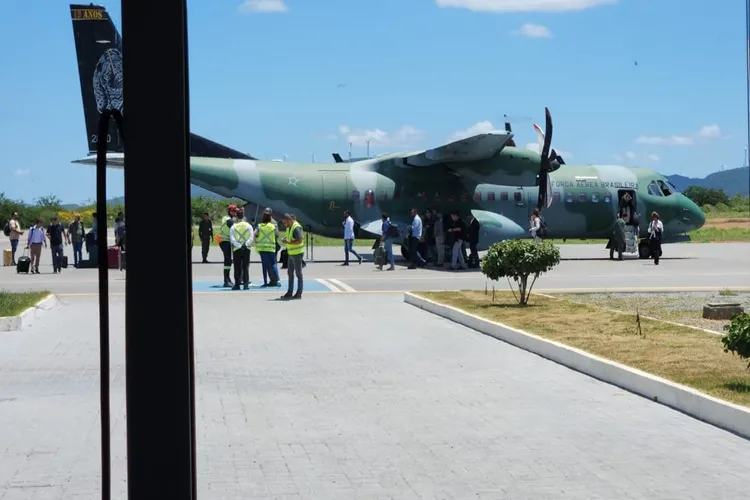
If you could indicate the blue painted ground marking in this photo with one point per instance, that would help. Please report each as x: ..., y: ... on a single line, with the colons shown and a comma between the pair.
x: 312, y: 285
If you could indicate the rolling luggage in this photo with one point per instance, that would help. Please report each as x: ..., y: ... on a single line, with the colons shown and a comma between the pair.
x: 113, y: 257
x: 379, y: 256
x: 23, y: 264
x: 64, y: 263
x: 7, y: 257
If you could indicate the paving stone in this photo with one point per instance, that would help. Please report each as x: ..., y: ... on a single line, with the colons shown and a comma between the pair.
x: 354, y: 397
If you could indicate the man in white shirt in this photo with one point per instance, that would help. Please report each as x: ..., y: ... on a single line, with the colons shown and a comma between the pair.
x: 241, y: 236
x: 349, y: 239
x: 15, y: 235
x: 655, y: 230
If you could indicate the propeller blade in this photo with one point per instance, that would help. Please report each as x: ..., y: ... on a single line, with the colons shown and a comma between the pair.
x: 539, y: 136
x: 544, y: 166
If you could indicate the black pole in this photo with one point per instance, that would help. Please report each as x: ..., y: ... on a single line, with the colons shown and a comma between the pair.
x: 158, y: 325
x: 101, y: 252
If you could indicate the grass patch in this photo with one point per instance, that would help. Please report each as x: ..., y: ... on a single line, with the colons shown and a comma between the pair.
x: 680, y: 354
x: 716, y: 234
x: 13, y: 304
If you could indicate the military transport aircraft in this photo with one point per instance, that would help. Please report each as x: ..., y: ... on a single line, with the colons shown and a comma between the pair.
x: 487, y: 175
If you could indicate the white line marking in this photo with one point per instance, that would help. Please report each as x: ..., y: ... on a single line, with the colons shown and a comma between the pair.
x: 328, y: 285
x: 346, y: 287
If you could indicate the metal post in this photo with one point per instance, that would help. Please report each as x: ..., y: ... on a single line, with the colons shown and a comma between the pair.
x: 158, y: 345
x: 350, y: 151
x: 368, y: 148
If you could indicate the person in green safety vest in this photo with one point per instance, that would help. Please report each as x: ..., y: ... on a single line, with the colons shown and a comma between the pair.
x: 265, y: 244
x: 226, y: 246
x: 241, y: 237
x: 295, y: 247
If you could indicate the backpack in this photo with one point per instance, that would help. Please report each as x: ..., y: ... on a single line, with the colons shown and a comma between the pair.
x: 6, y: 229
x: 542, y: 232
x: 393, y: 231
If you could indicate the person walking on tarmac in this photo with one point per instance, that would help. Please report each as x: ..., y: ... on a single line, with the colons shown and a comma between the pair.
x: 241, y: 237
x: 295, y: 247
x: 265, y: 244
x: 225, y: 244
x: 206, y: 234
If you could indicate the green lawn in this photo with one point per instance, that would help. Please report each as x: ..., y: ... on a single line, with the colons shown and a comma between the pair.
x: 13, y: 304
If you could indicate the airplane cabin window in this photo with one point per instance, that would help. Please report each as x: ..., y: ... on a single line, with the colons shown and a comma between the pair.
x: 556, y: 196
x: 582, y: 197
x: 477, y: 196
x: 664, y: 188
x: 607, y: 198
x: 568, y: 197
x: 355, y: 195
x: 517, y: 196
x: 595, y: 197
x: 672, y: 187
x: 369, y: 198
x: 490, y: 196
x: 653, y: 189
x: 503, y: 196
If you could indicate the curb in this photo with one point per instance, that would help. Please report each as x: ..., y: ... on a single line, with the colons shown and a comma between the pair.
x: 722, y: 414
x: 27, y: 318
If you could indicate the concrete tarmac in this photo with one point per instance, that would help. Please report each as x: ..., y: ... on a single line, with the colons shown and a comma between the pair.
x: 583, y: 268
x: 372, y: 399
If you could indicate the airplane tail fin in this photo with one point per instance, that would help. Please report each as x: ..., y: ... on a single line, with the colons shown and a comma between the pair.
x: 99, y: 53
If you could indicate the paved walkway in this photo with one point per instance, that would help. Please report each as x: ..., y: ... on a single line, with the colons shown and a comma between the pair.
x: 372, y: 399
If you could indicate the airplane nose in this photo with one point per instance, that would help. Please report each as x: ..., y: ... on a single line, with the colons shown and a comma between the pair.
x: 693, y: 213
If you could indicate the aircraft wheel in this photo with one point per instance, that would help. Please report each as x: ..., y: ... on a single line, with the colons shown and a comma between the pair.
x: 644, y: 252
x: 405, y: 253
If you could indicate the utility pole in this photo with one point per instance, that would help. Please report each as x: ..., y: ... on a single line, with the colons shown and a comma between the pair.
x: 350, y: 146
x: 368, y: 148
x: 313, y: 157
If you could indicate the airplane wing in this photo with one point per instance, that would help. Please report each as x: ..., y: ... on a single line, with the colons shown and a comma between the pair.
x: 474, y: 148
x: 114, y: 160
x: 375, y: 226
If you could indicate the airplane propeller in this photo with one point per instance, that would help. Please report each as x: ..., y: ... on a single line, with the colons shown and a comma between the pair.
x: 550, y: 160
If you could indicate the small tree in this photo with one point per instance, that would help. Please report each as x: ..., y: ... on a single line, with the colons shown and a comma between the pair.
x: 737, y: 339
x: 519, y: 259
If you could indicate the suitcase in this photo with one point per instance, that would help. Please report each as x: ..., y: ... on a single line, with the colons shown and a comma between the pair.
x: 64, y: 263
x: 284, y: 259
x: 379, y: 256
x: 7, y: 257
x: 113, y: 257
x: 123, y: 265
x: 23, y: 264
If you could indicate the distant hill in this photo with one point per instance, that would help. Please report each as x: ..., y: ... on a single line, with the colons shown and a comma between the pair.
x: 732, y: 182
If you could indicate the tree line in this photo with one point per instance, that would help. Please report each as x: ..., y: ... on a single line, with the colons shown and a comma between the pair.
x: 716, y: 200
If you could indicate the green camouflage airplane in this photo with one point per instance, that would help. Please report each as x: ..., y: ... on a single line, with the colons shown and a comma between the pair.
x: 487, y: 175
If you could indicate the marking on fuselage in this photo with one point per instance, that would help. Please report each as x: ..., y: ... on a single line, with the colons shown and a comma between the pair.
x: 293, y: 181
x: 332, y: 206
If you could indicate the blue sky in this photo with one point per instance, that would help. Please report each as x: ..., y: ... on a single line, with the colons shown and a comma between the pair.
x: 297, y: 78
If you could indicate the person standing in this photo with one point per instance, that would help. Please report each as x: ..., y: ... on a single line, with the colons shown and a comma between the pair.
x: 617, y: 242
x: 439, y: 225
x: 415, y: 236
x: 459, y: 231
x: 266, y: 236
x: 387, y: 237
x: 295, y: 247
x: 535, y: 226
x: 473, y: 239
x: 57, y: 237
x: 655, y: 231
x: 206, y: 234
x: 37, y: 238
x: 241, y: 237
x: 15, y: 235
x: 225, y: 244
x: 76, y: 233
x: 349, y: 238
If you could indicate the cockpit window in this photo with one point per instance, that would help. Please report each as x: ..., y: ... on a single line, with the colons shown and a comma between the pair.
x: 653, y: 189
x: 664, y: 188
x: 672, y: 187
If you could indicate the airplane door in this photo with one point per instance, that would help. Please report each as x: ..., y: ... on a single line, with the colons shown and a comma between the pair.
x: 335, y: 191
x: 520, y: 207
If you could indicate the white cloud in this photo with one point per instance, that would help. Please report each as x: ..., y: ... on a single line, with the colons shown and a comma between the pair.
x: 484, y: 127
x: 711, y: 131
x: 404, y: 136
x: 652, y: 158
x: 534, y: 146
x: 263, y: 6
x: 618, y: 157
x: 630, y: 155
x: 522, y: 5
x: 22, y: 172
x: 535, y: 31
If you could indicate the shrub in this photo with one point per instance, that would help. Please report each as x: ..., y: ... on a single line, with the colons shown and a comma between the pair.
x: 737, y: 339
x: 519, y: 259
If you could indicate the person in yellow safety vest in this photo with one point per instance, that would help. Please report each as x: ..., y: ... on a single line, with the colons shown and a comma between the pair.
x: 265, y: 244
x: 295, y: 248
x: 241, y: 237
x: 225, y: 244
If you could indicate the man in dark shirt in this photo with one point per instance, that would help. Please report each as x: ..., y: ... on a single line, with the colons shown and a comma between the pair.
x: 57, y: 236
x: 206, y: 234
x: 473, y: 239
x: 459, y: 231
